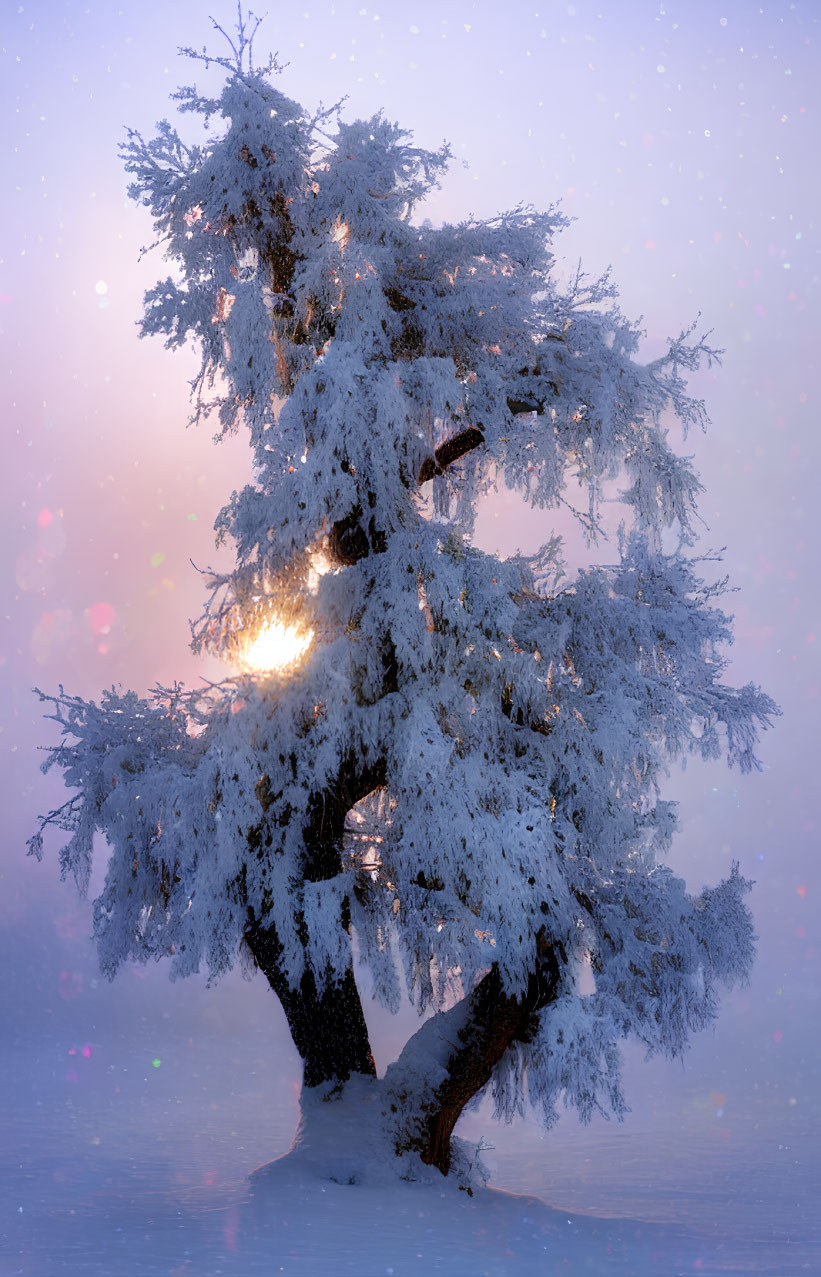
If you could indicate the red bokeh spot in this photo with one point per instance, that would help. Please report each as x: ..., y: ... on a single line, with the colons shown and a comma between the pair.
x: 100, y: 618
x: 802, y: 891
x: 44, y: 518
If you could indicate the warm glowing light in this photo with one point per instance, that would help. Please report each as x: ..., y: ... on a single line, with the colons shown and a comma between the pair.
x: 318, y: 564
x: 276, y: 647
x: 341, y: 232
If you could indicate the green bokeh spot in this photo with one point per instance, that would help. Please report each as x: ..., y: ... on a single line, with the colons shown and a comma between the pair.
x: 156, y: 1063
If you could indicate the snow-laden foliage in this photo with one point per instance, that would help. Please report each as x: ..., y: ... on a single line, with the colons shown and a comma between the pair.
x: 496, y: 731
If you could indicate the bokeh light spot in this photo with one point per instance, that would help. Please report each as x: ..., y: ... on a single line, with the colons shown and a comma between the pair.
x: 100, y: 618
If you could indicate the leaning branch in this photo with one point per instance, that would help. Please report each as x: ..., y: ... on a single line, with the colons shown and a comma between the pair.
x: 351, y: 539
x: 350, y: 542
x: 449, y: 451
x: 478, y: 1032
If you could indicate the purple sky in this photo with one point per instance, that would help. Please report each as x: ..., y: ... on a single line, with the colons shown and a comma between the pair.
x: 683, y: 137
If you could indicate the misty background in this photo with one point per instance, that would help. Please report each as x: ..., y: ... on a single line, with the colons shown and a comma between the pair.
x: 683, y: 137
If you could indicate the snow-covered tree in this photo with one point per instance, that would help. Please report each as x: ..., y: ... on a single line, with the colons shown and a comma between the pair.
x: 443, y: 764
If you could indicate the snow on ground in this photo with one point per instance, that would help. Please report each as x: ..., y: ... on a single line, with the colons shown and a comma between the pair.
x: 134, y: 1156
x: 414, y: 1229
x: 292, y: 1222
x: 288, y: 1217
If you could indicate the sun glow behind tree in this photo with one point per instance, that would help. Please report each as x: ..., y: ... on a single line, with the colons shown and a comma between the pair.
x: 276, y: 647
x: 276, y: 632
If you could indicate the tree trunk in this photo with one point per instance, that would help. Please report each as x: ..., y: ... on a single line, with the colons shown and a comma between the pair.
x: 468, y: 1041
x: 328, y: 1027
x: 458, y: 1049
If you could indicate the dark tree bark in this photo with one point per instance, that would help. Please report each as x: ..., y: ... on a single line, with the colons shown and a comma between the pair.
x: 328, y: 1027
x: 449, y: 451
x: 355, y: 537
x: 493, y: 1023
